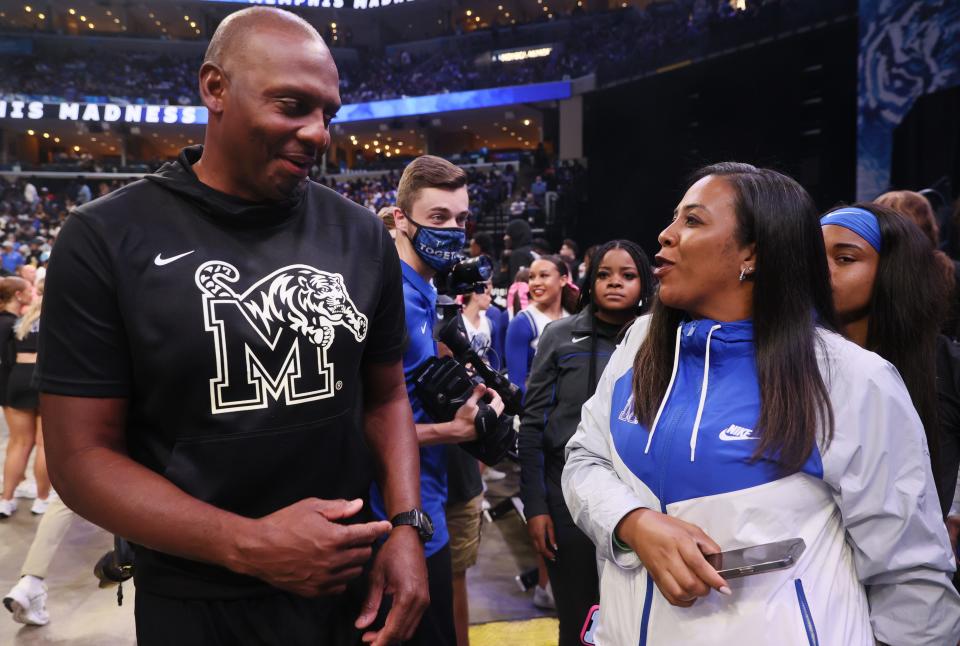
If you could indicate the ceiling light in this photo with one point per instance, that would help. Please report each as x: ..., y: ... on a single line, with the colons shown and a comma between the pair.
x: 377, y: 150
x: 30, y: 132
x: 388, y: 153
x: 116, y: 20
x: 469, y: 13
x: 186, y: 18
x: 366, y: 146
x: 333, y: 25
x: 46, y: 135
x: 41, y: 16
x: 83, y: 19
x: 90, y: 25
x: 56, y: 140
x: 526, y: 122
x: 72, y: 12
x: 76, y: 149
x: 192, y: 24
x: 28, y: 8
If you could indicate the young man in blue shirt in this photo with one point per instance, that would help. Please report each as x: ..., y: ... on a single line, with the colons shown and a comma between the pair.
x: 432, y: 208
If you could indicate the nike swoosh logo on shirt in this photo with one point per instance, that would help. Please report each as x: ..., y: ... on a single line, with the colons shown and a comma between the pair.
x: 160, y: 262
x: 578, y: 339
x: 733, y: 433
x: 423, y: 329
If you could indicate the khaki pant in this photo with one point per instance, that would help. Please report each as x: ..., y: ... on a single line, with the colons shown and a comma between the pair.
x: 54, y: 525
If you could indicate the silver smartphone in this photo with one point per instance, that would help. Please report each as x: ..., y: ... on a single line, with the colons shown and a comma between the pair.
x: 757, y: 559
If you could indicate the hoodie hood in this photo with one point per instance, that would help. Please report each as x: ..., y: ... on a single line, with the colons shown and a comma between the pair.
x: 178, y: 177
x: 519, y: 232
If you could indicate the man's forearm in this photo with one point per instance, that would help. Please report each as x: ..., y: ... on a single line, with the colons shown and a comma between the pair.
x: 388, y: 428
x: 112, y: 491
x: 445, y: 433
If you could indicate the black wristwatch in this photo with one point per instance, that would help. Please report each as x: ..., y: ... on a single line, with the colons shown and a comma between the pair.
x: 418, y: 519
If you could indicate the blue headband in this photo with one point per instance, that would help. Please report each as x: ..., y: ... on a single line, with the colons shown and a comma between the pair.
x: 860, y: 221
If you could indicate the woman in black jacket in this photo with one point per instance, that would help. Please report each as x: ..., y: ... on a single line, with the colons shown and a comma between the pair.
x: 571, y: 355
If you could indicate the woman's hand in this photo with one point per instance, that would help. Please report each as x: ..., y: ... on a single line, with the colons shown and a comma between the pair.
x: 672, y: 551
x: 540, y: 528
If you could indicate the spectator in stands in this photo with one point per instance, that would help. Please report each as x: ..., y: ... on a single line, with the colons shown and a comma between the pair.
x: 538, y: 189
x: 541, y: 247
x: 518, y: 207
x: 569, y: 251
x: 517, y: 240
x: 481, y: 244
x: 30, y: 195
x: 11, y: 259
x: 84, y: 194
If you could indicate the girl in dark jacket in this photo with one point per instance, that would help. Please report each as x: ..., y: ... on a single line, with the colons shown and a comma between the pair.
x: 571, y: 354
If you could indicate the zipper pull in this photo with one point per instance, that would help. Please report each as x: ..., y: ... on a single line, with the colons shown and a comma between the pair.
x: 692, y: 327
x: 120, y: 594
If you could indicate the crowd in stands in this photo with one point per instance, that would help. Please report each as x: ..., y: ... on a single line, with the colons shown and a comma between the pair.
x: 614, y: 44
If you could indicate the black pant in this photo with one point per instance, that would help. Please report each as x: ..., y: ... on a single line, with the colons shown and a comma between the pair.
x: 278, y: 619
x: 573, y: 576
x: 436, y: 627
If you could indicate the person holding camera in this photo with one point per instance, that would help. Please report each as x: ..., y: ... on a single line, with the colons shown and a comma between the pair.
x: 734, y: 417
x: 570, y: 358
x: 432, y: 209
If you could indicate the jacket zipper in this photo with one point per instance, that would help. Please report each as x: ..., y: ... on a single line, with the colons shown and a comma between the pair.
x: 805, y: 613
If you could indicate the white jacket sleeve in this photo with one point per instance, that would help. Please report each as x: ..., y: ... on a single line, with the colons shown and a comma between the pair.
x: 595, y: 493
x: 878, y: 467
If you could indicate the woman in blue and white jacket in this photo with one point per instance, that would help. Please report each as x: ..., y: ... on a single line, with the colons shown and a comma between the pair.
x: 733, y: 416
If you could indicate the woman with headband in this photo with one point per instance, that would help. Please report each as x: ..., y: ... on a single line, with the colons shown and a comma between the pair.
x: 890, y: 295
x: 735, y: 417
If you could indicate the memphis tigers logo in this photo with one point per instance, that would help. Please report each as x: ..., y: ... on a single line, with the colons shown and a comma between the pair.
x: 295, y: 312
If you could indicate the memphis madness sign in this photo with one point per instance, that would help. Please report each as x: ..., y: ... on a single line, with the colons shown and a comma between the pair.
x: 102, y: 112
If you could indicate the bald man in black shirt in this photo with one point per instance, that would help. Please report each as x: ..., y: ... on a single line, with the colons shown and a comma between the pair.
x: 207, y: 337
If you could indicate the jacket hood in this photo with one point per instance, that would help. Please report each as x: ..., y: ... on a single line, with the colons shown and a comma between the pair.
x: 178, y: 177
x: 519, y: 232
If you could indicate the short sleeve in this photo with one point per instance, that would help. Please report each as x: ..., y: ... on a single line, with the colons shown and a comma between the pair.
x: 387, y: 328
x: 83, y: 349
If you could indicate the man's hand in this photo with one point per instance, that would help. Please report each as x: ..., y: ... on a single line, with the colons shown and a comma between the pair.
x: 953, y: 529
x: 672, y: 551
x: 400, y: 570
x: 302, y: 549
x: 464, y: 424
x: 540, y: 528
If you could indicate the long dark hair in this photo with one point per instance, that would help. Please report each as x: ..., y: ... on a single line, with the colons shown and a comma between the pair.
x: 905, y: 311
x: 791, y: 295
x: 586, y: 293
x: 569, y: 294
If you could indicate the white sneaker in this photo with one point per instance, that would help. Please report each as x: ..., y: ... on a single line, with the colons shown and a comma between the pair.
x: 39, y: 506
x: 26, y: 489
x: 7, y: 507
x: 492, y: 475
x: 28, y: 601
x: 543, y: 597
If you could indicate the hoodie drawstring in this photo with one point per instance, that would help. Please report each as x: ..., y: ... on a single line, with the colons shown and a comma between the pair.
x: 703, y: 396
x: 666, y: 395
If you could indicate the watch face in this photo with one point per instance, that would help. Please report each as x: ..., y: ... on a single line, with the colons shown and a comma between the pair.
x: 425, y: 525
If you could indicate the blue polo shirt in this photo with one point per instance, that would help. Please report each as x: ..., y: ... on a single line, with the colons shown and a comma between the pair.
x: 420, y: 304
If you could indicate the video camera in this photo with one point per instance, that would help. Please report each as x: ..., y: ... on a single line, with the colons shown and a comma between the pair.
x: 443, y: 385
x: 467, y: 276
